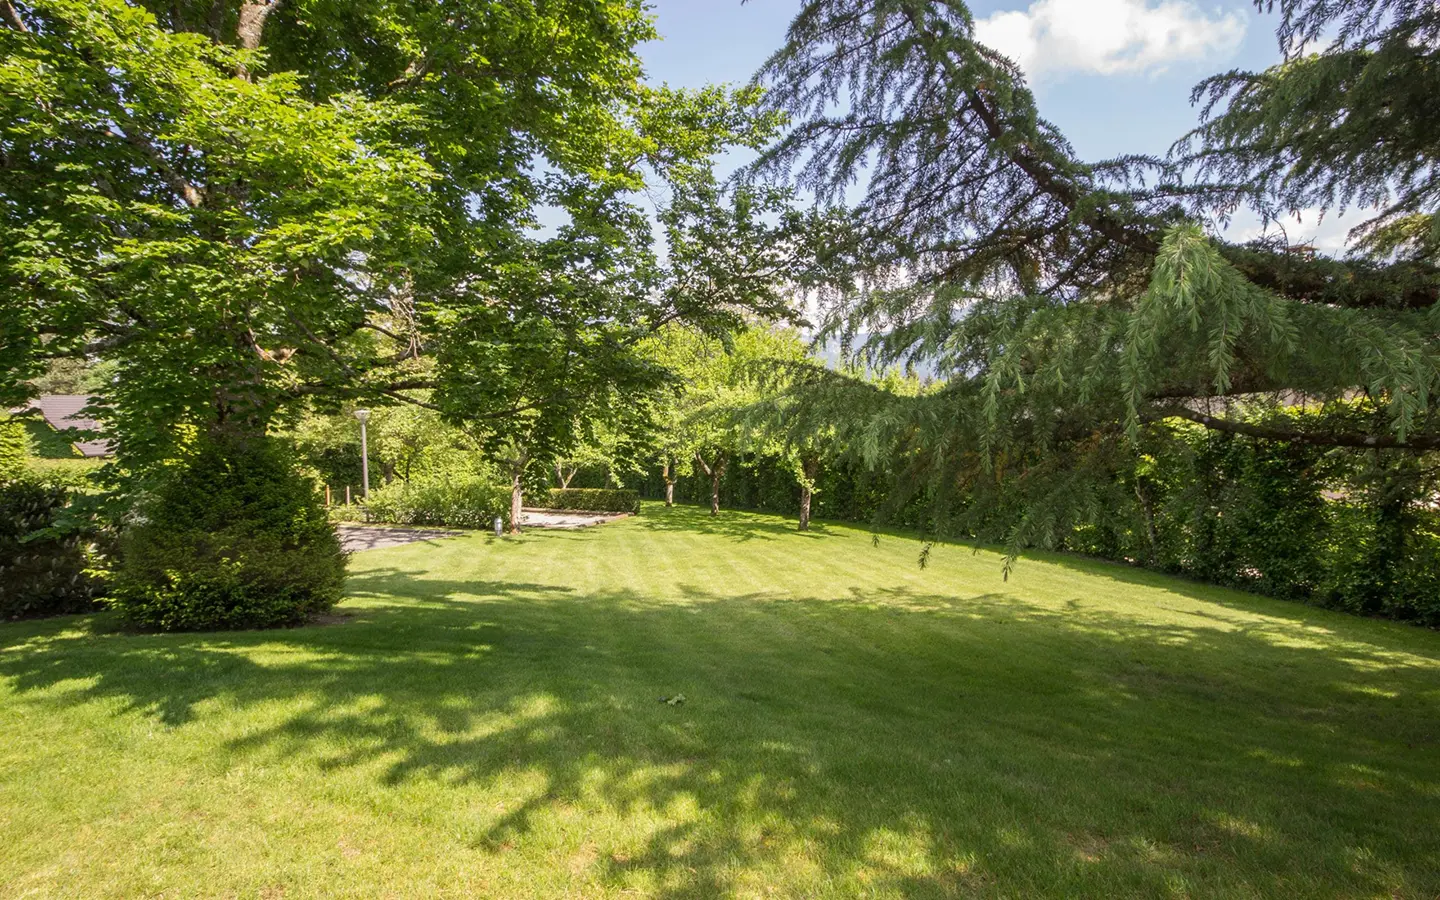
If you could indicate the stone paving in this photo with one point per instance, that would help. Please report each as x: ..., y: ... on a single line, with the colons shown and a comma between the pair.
x: 373, y: 537
x: 554, y: 518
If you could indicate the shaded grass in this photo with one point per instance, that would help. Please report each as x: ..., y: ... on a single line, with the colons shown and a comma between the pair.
x: 46, y: 442
x: 487, y: 723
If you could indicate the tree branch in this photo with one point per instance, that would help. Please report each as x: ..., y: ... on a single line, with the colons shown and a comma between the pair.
x: 410, y: 400
x: 1355, y: 284
x: 191, y: 195
x: 1042, y: 173
x: 12, y: 17
x: 1315, y: 439
x: 251, y: 27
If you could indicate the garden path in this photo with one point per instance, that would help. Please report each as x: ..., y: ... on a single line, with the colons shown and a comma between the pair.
x: 373, y: 537
x: 554, y: 518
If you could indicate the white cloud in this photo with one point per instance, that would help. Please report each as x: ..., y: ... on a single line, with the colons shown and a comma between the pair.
x: 1326, y: 231
x: 1108, y: 37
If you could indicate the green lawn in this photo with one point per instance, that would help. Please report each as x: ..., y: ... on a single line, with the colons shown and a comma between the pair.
x: 487, y: 723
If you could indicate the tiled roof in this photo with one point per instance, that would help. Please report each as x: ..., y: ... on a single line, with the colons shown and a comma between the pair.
x: 63, y: 411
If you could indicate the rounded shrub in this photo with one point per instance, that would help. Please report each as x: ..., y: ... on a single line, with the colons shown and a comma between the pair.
x: 234, y: 538
x: 45, y: 565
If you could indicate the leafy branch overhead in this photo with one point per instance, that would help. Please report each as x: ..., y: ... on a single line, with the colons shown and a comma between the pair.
x: 240, y: 229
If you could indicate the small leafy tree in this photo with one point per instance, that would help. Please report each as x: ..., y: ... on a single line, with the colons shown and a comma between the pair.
x: 610, y: 444
x: 702, y: 422
x: 809, y: 417
x: 406, y: 441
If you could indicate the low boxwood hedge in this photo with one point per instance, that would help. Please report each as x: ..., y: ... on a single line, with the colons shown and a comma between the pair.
x: 459, y: 502
x: 593, y: 500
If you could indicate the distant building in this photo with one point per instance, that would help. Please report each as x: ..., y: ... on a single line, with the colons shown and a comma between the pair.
x: 63, y: 412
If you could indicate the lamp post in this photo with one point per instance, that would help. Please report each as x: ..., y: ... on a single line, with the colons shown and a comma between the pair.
x: 364, y: 416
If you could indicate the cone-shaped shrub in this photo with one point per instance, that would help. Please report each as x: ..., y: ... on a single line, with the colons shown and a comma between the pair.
x: 234, y: 538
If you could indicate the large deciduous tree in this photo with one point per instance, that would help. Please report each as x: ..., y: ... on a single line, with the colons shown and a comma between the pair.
x: 244, y: 204
x: 249, y: 207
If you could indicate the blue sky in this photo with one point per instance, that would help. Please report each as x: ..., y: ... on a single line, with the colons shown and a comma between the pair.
x: 1114, y: 75
x: 1141, y: 109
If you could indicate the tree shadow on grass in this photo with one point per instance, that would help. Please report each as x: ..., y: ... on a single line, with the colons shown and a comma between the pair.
x: 861, y: 743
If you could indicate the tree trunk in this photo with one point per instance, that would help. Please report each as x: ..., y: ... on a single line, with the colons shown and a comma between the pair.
x: 13, y: 17
x: 517, y: 498
x: 669, y: 484
x: 714, y: 470
x: 1393, y: 526
x: 251, y: 26
x: 809, y: 468
x: 1148, y: 510
x: 561, y: 478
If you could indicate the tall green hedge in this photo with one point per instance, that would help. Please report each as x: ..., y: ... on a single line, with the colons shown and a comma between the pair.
x: 843, y: 491
x: 14, y: 447
x: 591, y: 500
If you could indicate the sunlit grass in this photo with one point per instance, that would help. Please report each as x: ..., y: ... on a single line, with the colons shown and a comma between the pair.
x: 488, y: 723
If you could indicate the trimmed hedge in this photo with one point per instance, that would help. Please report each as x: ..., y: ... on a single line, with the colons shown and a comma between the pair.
x: 14, y: 447
x: 456, y: 502
x: 236, y: 538
x: 44, y: 559
x: 1228, y: 510
x: 593, y: 500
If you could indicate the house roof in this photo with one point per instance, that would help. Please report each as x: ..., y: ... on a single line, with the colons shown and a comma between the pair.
x: 64, y: 411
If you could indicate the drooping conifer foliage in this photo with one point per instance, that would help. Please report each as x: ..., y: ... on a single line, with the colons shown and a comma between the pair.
x: 1350, y: 119
x: 1076, y: 307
